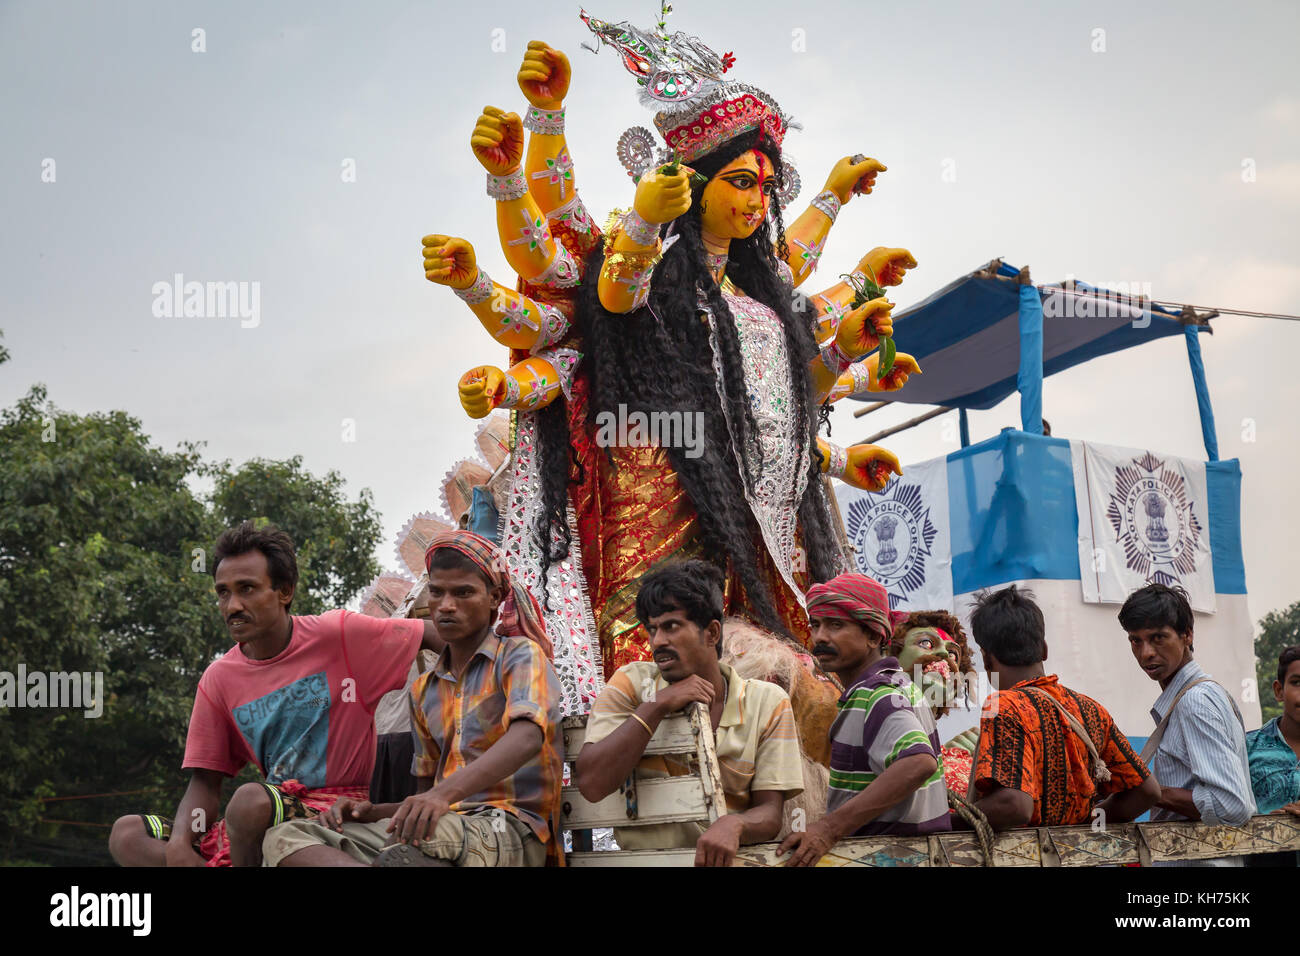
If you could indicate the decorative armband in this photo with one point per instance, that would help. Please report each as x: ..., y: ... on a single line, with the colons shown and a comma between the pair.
x: 834, y: 359
x: 564, y: 361
x: 546, y: 122
x: 828, y: 203
x: 562, y: 273
x: 510, y: 186
x: 861, y: 377
x: 511, y: 399
x: 554, y: 327
x: 558, y: 171
x: 839, y: 460
x: 638, y: 230
x: 574, y: 213
x: 480, y: 291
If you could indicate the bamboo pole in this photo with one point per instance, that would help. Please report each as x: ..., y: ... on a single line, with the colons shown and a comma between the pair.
x: 910, y: 423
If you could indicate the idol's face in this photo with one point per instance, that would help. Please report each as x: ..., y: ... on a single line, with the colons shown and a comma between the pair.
x: 929, y: 657
x: 736, y: 200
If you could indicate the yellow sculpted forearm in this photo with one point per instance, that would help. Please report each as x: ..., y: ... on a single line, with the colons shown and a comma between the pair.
x: 626, y: 274
x: 513, y: 319
x: 544, y: 80
x: 532, y: 384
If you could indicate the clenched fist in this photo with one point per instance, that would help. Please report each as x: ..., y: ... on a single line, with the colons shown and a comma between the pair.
x: 870, y: 466
x: 662, y: 197
x: 544, y: 76
x: 481, y: 390
x: 449, y: 261
x: 498, y: 141
x: 862, y: 329
x: 848, y: 177
x: 888, y: 265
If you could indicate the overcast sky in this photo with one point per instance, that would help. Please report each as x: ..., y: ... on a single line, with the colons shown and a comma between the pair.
x: 1170, y: 157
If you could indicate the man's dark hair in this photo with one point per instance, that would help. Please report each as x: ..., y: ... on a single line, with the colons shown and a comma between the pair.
x: 694, y: 587
x: 1008, y: 624
x: 1288, y: 657
x: 450, y: 559
x: 276, y: 546
x: 1156, y: 606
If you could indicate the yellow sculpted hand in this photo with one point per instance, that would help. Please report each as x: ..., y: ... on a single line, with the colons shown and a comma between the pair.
x: 870, y: 467
x: 498, y: 140
x: 449, y: 261
x: 862, y: 329
x: 888, y: 265
x: 544, y: 76
x: 848, y: 177
x: 663, y: 197
x: 481, y: 390
x: 904, y: 366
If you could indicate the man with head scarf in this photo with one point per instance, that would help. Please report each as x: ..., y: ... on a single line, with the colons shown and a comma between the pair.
x: 485, y: 720
x: 886, y: 763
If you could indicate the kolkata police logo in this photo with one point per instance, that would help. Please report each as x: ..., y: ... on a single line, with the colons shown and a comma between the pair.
x: 891, y: 533
x: 1152, y: 518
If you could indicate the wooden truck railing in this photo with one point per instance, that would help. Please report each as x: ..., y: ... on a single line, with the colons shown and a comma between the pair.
x: 699, y: 797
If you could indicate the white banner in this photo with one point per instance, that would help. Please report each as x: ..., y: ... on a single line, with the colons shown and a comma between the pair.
x: 900, y: 536
x: 1143, y: 518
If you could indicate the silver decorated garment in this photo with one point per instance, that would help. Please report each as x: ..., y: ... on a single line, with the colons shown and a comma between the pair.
x: 781, y: 475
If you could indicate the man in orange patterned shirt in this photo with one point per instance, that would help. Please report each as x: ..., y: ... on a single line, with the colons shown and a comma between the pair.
x: 1033, y: 766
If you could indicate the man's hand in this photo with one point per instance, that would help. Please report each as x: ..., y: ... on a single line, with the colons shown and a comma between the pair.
x: 180, y: 853
x: 346, y: 810
x: 810, y: 845
x: 482, y: 389
x: 718, y: 844
x: 498, y: 141
x: 449, y: 261
x: 888, y: 265
x: 676, y: 696
x: 416, y: 818
x: 1291, y: 808
x: 846, y: 175
x: 544, y: 76
x: 662, y: 197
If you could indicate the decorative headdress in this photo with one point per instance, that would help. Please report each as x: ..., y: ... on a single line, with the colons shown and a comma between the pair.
x: 698, y: 110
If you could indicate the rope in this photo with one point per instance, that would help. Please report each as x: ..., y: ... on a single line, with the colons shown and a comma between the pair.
x: 978, y: 822
x: 92, y: 796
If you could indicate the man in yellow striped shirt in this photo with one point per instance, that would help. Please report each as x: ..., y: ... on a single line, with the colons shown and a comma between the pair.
x: 756, y: 739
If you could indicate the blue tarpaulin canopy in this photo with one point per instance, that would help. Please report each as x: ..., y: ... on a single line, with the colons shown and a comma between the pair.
x: 990, y: 333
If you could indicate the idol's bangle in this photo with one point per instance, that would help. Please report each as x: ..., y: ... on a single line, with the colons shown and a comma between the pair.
x: 638, y: 230
x: 512, y: 185
x: 624, y: 265
x: 479, y: 291
x: 554, y: 327
x: 828, y: 202
x: 839, y: 460
x: 861, y: 377
x: 511, y: 398
x: 562, y: 273
x: 834, y: 359
x: 546, y: 122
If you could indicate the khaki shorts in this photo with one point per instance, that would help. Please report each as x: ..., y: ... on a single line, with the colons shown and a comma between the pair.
x: 486, y: 838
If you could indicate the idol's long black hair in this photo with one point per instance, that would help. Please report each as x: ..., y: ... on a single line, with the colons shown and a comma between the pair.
x: 660, y: 359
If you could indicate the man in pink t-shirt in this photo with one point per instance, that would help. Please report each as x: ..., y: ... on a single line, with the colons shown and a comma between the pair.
x: 296, y: 696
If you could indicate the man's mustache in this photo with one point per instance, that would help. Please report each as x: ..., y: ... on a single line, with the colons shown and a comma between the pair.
x: 823, y: 646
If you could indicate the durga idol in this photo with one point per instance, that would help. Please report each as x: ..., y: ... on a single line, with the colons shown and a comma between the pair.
x: 684, y: 303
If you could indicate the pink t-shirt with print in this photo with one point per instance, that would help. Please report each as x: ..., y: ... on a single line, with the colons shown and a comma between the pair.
x: 306, y: 714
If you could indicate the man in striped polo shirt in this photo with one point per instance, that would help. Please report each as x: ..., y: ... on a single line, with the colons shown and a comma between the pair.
x: 886, y: 765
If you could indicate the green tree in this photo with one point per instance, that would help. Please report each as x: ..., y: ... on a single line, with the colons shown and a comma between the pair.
x: 105, y: 568
x: 1277, y: 630
x: 335, y: 538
